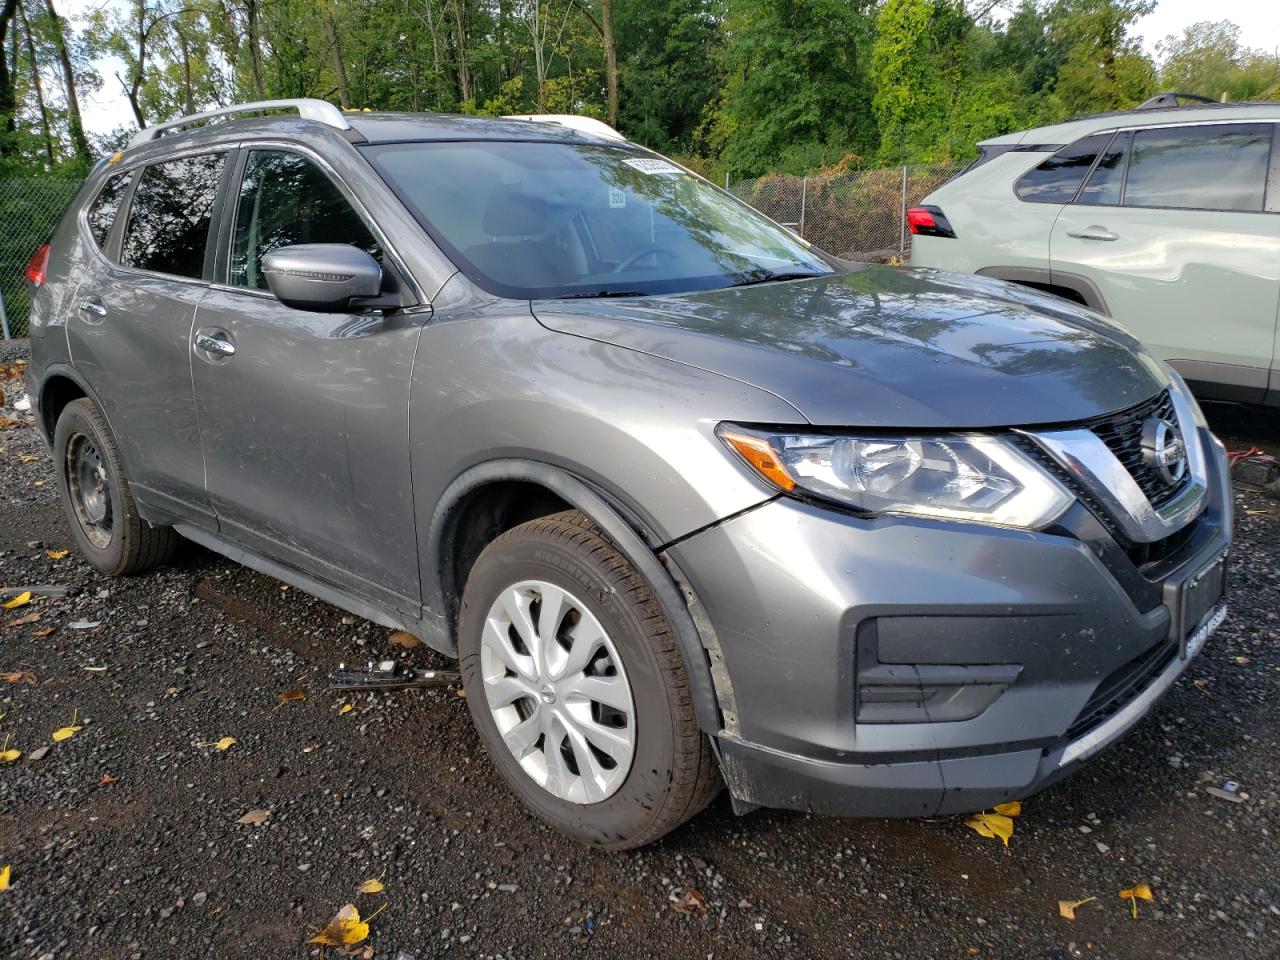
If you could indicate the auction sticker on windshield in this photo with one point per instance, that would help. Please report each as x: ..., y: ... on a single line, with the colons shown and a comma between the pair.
x: 649, y: 165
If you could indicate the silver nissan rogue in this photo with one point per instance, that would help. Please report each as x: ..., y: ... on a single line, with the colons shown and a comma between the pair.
x: 691, y: 501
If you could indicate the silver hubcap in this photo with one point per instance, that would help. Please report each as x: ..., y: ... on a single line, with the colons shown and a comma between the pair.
x: 90, y: 490
x: 558, y: 693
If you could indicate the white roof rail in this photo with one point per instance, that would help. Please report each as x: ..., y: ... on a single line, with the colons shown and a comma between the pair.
x: 573, y: 122
x: 309, y: 109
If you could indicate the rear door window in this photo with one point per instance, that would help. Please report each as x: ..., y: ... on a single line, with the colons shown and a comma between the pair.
x: 286, y: 199
x: 1057, y: 179
x: 102, y: 212
x: 168, y: 229
x: 1221, y: 166
x: 1105, y: 183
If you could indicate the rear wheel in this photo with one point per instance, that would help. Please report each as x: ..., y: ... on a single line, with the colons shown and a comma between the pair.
x: 96, y: 497
x: 577, y: 688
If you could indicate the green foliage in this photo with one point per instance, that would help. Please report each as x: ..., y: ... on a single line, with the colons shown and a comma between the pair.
x: 1208, y: 59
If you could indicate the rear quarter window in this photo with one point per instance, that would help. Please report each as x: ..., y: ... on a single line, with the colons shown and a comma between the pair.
x: 101, y: 214
x: 1057, y: 179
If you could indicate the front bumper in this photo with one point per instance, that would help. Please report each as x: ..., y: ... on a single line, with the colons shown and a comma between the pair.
x: 1021, y: 654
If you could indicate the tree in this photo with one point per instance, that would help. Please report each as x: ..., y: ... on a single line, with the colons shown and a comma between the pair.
x: 1105, y: 68
x: 1208, y: 59
x: 7, y: 123
x: 74, y: 123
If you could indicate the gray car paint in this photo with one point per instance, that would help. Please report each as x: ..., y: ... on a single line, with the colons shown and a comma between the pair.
x: 340, y: 445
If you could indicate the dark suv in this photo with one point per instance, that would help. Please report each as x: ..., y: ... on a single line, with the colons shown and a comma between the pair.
x: 688, y: 498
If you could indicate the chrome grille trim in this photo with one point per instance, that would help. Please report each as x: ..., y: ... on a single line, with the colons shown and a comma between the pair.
x: 1095, y: 466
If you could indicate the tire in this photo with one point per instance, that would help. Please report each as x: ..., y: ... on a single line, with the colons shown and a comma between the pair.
x: 122, y: 543
x: 672, y: 773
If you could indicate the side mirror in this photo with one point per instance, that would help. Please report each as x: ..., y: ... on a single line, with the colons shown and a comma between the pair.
x: 322, y: 277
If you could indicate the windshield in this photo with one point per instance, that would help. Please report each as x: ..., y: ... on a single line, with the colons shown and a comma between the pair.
x: 532, y: 220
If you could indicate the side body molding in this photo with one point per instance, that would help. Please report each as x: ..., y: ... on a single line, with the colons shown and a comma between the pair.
x: 441, y: 603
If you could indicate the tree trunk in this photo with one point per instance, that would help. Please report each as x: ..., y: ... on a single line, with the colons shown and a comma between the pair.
x: 255, y: 48
x: 460, y: 40
x: 7, y: 125
x: 37, y: 84
x: 134, y: 87
x: 188, y: 93
x: 78, y: 139
x: 610, y: 58
x: 331, y: 31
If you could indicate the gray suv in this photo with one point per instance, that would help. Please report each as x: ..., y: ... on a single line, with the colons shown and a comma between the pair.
x: 691, y: 501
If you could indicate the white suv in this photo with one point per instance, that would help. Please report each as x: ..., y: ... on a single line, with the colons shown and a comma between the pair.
x: 1165, y: 218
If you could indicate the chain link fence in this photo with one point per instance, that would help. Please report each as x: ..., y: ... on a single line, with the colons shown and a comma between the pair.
x: 29, y: 210
x: 856, y: 215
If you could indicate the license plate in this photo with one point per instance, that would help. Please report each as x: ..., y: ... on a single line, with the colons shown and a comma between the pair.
x: 1200, y: 608
x: 1202, y: 633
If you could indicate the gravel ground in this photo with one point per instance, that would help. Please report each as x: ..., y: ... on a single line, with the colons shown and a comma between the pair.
x: 124, y: 842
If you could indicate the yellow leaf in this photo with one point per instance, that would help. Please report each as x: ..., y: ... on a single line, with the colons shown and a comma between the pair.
x: 4, y: 877
x: 1009, y: 809
x: 290, y: 695
x: 65, y: 733
x: 1068, y: 908
x: 372, y: 886
x: 21, y: 600
x: 226, y: 743
x: 42, y: 632
x: 991, y: 825
x: 1139, y: 891
x: 55, y: 554
x: 8, y: 756
x: 402, y: 639
x: 345, y: 708
x: 28, y: 458
x: 344, y: 930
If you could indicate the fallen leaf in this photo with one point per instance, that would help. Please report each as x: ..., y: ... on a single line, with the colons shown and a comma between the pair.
x: 255, y: 818
x: 95, y: 669
x: 28, y: 458
x: 1011, y: 809
x: 66, y: 733
x: 55, y: 554
x: 992, y: 825
x: 19, y: 676
x: 402, y: 639
x: 21, y: 600
x: 291, y: 695
x: 42, y: 632
x: 1068, y: 908
x: 226, y: 743
x: 1139, y: 891
x: 4, y: 877
x: 38, y: 754
x: 372, y: 886
x: 312, y: 748
x: 107, y: 779
x: 84, y: 624
x: 346, y: 928
x: 8, y: 756
x: 690, y: 900
x: 23, y: 621
x: 345, y: 708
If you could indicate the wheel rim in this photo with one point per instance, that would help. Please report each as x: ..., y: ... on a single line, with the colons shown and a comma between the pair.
x: 557, y: 691
x: 90, y: 489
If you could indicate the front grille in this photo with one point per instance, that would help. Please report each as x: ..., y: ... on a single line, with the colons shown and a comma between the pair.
x: 1121, y: 686
x: 1122, y: 433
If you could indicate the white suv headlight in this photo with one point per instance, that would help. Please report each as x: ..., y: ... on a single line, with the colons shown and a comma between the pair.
x: 969, y: 477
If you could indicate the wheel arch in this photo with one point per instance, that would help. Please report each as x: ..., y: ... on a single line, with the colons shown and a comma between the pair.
x: 1068, y: 286
x: 59, y: 386
x: 492, y: 497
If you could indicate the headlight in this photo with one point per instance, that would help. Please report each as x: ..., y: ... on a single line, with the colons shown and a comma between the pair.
x: 968, y: 477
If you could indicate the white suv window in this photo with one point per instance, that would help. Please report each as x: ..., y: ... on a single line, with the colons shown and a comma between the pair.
x: 1213, y: 167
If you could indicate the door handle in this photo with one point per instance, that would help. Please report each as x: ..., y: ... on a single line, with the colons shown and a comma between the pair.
x: 1093, y: 232
x: 210, y: 343
x: 94, y: 307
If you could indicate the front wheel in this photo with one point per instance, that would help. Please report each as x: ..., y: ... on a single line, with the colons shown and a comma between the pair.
x: 96, y: 497
x: 576, y: 685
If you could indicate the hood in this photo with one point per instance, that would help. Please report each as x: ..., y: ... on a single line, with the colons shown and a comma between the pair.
x: 888, y: 347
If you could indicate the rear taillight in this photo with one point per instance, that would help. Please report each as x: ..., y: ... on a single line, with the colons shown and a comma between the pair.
x: 38, y: 265
x: 929, y: 222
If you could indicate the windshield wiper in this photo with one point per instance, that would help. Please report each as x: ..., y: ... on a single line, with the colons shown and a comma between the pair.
x: 775, y: 277
x: 603, y: 293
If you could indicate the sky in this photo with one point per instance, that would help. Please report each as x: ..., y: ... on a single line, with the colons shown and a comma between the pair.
x: 1259, y: 22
